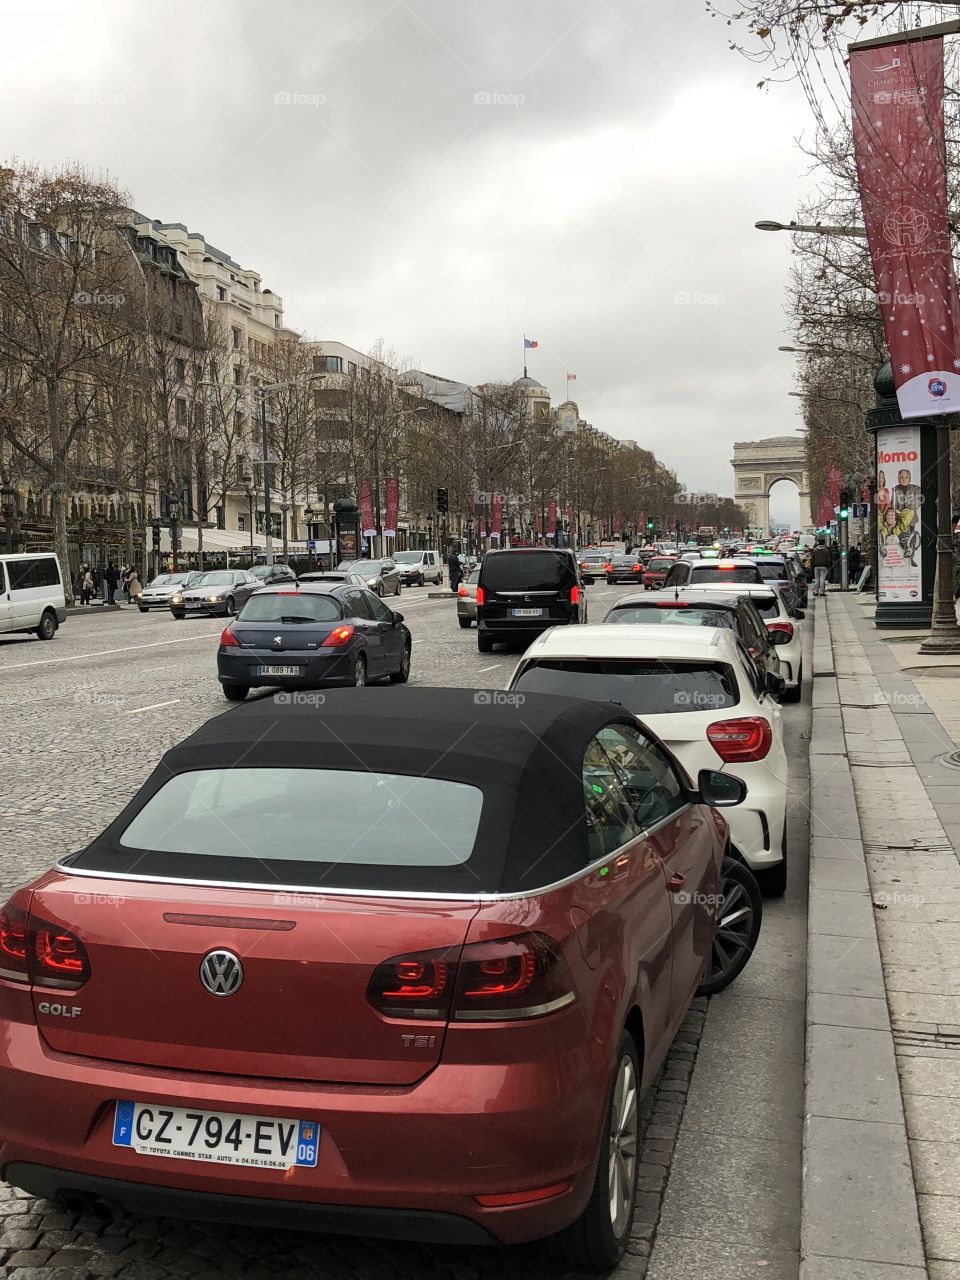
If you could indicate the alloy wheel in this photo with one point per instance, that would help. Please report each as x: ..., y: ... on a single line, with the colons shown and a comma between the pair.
x: 734, y: 932
x: 359, y: 672
x: 623, y: 1140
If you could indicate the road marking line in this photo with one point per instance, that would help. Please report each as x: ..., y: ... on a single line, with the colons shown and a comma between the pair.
x: 483, y: 670
x: 153, y: 707
x: 102, y: 653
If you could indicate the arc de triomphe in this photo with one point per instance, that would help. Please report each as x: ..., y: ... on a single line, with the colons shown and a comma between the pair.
x: 758, y: 465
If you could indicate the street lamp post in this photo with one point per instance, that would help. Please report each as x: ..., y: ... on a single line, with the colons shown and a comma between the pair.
x: 101, y: 518
x: 248, y: 489
x: 8, y: 498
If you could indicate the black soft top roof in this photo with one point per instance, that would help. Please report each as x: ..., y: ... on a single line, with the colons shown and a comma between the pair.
x: 524, y: 752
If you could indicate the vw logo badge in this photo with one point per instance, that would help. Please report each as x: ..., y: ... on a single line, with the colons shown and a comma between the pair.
x: 221, y: 973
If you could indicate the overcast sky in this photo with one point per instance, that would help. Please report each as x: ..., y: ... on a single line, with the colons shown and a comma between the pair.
x: 449, y: 176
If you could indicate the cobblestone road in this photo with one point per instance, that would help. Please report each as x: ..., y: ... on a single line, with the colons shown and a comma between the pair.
x: 85, y: 719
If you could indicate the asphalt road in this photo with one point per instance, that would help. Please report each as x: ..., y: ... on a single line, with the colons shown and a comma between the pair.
x: 85, y: 719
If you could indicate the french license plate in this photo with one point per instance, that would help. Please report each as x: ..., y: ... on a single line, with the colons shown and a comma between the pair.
x: 528, y: 613
x: 216, y: 1137
x: 279, y: 671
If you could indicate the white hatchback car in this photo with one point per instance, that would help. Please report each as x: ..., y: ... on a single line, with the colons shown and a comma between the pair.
x: 783, y: 627
x: 698, y: 690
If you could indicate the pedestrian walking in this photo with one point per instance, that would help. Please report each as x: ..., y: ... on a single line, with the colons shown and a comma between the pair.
x: 455, y: 569
x: 134, y: 589
x: 125, y: 573
x: 822, y: 560
x: 111, y: 584
x: 88, y: 586
x: 854, y: 564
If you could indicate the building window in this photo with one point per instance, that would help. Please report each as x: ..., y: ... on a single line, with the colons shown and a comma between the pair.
x: 237, y: 338
x: 181, y: 410
x: 276, y: 320
x: 237, y: 374
x: 180, y: 368
x: 221, y: 293
x: 242, y: 524
x: 332, y: 364
x: 351, y: 367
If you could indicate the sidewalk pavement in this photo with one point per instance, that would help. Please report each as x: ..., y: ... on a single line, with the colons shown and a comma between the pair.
x: 882, y: 1142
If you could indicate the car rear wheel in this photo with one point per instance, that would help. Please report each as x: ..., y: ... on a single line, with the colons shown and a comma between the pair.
x: 484, y: 643
x: 738, y: 927
x: 402, y: 674
x: 794, y: 694
x: 380, y: 590
x: 359, y: 671
x: 48, y: 626
x: 397, y: 592
x: 597, y: 1239
x: 235, y: 692
x: 464, y: 623
x: 229, y: 607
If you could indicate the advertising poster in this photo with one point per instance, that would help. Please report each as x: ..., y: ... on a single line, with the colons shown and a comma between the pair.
x: 393, y: 506
x: 899, y: 513
x: 367, y: 523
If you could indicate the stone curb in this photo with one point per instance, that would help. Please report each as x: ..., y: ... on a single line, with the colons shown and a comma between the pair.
x: 859, y: 1214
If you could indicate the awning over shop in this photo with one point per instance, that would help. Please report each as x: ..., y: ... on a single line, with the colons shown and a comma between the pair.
x: 230, y: 540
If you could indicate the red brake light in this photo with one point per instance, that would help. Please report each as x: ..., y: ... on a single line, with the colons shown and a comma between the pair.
x: 481, y: 596
x: 574, y: 595
x: 742, y: 740
x: 227, y: 639
x: 786, y: 627
x: 519, y: 977
x: 636, y: 568
x: 672, y: 604
x: 462, y: 591
x: 37, y: 951
x: 13, y: 943
x: 338, y: 637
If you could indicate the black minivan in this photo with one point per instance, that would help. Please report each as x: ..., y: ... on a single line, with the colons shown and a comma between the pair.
x: 523, y: 592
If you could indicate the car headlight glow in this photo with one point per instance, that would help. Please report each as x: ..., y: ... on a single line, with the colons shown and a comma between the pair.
x: 212, y: 599
x: 371, y: 582
x: 176, y: 599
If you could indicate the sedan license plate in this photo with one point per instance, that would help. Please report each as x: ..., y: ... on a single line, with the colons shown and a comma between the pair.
x: 217, y: 1137
x: 279, y: 671
x: 528, y: 613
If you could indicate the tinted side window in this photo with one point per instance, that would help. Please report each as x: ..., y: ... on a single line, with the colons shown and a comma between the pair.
x: 752, y: 629
x: 378, y: 610
x: 610, y: 820
x: 749, y: 670
x: 25, y: 574
x: 357, y: 604
x: 676, y: 577
x: 652, y: 784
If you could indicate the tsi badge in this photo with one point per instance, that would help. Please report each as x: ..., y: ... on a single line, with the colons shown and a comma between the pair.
x: 59, y: 1010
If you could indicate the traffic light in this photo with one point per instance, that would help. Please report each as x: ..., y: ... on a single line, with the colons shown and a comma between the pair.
x: 649, y: 522
x: 844, y: 512
x: 156, y: 535
x: 443, y: 501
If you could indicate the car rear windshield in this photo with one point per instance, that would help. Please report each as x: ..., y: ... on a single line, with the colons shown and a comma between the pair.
x: 673, y: 615
x: 644, y: 687
x: 772, y: 570
x: 408, y: 557
x: 526, y: 571
x: 328, y: 817
x: 289, y: 606
x: 658, y: 563
x: 624, y: 560
x: 712, y: 571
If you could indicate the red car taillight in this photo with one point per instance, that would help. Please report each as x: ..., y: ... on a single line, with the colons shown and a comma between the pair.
x: 574, y: 595
x: 462, y: 591
x: 33, y: 950
x: 481, y: 597
x: 227, y: 639
x: 520, y: 977
x: 13, y: 943
x: 338, y: 638
x: 786, y: 628
x: 744, y: 739
x: 636, y: 568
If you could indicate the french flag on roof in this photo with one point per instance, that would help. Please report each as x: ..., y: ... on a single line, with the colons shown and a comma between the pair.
x: 529, y: 342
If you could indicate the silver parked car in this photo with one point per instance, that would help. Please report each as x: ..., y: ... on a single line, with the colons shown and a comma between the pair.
x: 217, y: 591
x: 156, y: 594
x: 381, y: 576
x: 467, y: 599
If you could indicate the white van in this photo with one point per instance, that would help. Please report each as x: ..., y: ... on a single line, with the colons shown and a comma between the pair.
x: 418, y: 567
x: 31, y: 594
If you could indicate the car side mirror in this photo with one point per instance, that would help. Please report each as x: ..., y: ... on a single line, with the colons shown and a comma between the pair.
x: 775, y: 684
x: 720, y: 790
x: 397, y: 616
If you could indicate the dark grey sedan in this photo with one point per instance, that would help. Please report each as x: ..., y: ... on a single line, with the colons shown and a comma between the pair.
x: 381, y: 576
x: 218, y: 591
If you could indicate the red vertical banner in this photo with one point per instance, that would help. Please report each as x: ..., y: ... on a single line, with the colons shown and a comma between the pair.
x: 392, y: 503
x: 537, y: 522
x: 367, y: 524
x: 569, y: 518
x: 496, y: 515
x: 552, y: 519
x: 617, y: 524
x: 898, y: 138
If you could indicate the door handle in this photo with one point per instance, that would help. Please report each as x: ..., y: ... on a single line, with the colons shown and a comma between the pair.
x: 676, y: 882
